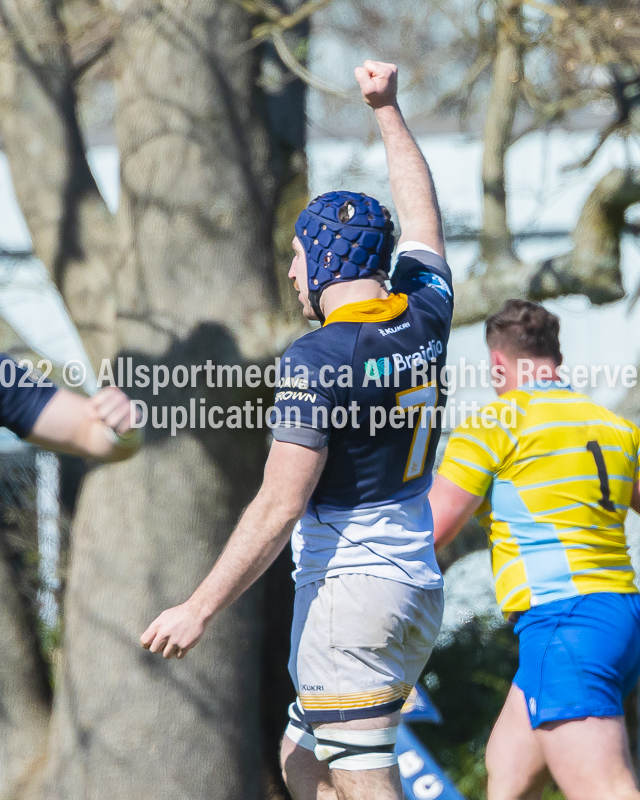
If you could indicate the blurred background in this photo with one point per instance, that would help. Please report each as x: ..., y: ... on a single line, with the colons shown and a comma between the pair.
x: 155, y: 156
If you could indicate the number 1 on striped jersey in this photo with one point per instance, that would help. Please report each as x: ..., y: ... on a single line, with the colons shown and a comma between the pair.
x: 426, y: 397
x: 603, y: 476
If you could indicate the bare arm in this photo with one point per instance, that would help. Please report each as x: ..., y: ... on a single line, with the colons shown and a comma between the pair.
x: 97, y: 427
x: 452, y: 507
x: 412, y: 188
x: 290, y: 476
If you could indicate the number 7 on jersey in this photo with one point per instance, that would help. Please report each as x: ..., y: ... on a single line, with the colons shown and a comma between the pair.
x: 427, y: 397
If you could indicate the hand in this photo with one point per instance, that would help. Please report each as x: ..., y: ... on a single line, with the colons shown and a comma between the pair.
x: 378, y: 83
x: 174, y: 632
x: 114, y: 408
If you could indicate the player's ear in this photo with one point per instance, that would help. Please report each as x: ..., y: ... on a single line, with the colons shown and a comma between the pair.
x: 498, y: 359
x: 494, y: 356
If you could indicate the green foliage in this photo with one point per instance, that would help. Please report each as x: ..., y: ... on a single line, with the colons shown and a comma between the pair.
x: 50, y: 640
x: 468, y: 677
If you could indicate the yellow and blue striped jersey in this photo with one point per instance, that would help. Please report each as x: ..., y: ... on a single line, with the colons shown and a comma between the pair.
x: 557, y: 480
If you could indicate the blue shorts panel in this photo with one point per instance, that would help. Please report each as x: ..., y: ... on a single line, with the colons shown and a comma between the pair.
x: 579, y: 657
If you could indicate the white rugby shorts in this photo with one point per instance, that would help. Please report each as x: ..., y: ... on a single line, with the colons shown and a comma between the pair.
x: 358, y: 645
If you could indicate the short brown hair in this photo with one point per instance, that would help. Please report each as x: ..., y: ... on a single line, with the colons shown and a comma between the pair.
x: 522, y: 328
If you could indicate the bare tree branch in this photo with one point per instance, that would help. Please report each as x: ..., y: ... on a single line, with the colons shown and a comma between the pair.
x: 466, y: 85
x: 558, y: 12
x: 604, y: 134
x: 92, y: 43
x: 592, y: 268
x: 277, y: 21
x: 289, y: 60
x: 547, y: 112
x: 273, y: 30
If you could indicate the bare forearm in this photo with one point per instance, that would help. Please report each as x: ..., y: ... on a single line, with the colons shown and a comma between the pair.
x: 290, y: 476
x: 451, y: 507
x: 88, y: 439
x: 107, y: 446
x: 261, y: 534
x: 442, y: 539
x: 97, y: 427
x: 412, y: 187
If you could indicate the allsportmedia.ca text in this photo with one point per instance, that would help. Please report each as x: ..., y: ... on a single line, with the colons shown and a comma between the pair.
x: 380, y: 372
x: 385, y: 371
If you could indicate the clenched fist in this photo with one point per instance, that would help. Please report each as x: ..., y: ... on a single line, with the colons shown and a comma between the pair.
x: 378, y: 83
x: 114, y: 408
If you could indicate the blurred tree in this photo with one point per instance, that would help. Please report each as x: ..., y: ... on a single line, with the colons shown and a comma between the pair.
x: 507, y: 68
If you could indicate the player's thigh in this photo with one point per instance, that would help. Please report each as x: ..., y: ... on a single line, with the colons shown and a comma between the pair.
x: 305, y: 776
x: 379, y: 784
x: 589, y: 758
x: 514, y: 757
x: 363, y: 774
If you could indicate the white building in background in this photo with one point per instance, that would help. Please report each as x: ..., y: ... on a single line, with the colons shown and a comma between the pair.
x: 544, y: 198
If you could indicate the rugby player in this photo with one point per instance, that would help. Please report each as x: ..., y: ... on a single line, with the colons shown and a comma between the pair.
x: 553, y: 491
x: 56, y: 419
x: 368, y: 590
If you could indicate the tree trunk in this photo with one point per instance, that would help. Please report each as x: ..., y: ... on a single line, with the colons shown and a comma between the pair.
x: 285, y: 120
x: 195, y: 282
x: 496, y: 240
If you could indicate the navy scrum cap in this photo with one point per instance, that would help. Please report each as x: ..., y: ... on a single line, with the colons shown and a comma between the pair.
x: 345, y: 236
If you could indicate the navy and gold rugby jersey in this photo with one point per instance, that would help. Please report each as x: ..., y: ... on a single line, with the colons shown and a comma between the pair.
x: 365, y: 352
x: 21, y: 398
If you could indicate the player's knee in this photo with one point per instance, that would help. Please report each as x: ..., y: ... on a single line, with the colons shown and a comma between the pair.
x: 501, y: 784
x: 353, y: 750
x: 490, y: 761
x: 504, y: 785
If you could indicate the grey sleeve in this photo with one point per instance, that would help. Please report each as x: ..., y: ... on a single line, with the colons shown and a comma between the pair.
x: 303, y: 435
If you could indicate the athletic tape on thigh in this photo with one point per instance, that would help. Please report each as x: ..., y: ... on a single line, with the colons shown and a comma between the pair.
x: 355, y: 750
x: 298, y: 730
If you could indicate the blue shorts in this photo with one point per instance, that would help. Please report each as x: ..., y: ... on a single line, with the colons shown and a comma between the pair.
x: 579, y: 657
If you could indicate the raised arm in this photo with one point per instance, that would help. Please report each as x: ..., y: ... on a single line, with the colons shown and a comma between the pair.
x: 412, y: 188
